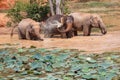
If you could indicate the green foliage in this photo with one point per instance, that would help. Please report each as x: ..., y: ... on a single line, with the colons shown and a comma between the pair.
x: 101, y: 4
x: 14, y: 13
x: 66, y: 8
x: 25, y: 10
x: 95, y: 4
x: 58, y: 64
x: 37, y: 12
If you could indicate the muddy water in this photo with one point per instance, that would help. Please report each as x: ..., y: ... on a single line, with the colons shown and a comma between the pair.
x: 94, y: 43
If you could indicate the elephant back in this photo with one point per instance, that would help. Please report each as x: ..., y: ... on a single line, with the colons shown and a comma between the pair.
x: 55, y: 17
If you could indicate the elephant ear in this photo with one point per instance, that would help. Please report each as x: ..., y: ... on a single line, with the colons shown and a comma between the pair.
x: 70, y: 19
x: 30, y: 28
x: 94, y: 21
x: 63, y: 19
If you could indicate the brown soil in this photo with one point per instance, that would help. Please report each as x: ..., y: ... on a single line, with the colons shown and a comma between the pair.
x: 94, y: 43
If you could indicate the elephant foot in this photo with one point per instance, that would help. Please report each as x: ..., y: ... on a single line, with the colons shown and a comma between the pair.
x: 75, y: 33
x: 41, y: 39
x: 86, y: 34
x: 48, y: 36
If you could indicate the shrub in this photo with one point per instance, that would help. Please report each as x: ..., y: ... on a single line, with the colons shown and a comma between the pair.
x: 14, y: 13
x: 37, y: 12
x: 25, y: 10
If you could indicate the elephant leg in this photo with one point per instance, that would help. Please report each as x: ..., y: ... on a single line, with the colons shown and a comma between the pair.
x: 75, y: 33
x: 63, y: 35
x: 85, y: 30
x: 89, y: 31
x: 69, y: 34
x: 28, y: 37
x: 20, y: 35
x: 48, y: 35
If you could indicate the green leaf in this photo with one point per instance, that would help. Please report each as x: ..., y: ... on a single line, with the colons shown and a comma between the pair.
x: 89, y: 59
x: 36, y: 65
x: 21, y: 50
x: 32, y: 50
x: 70, y: 74
x: 37, y: 73
x: 23, y: 58
x: 37, y: 56
x: 86, y: 76
x: 67, y: 78
x: 48, y: 68
x: 1, y: 67
x: 85, y: 70
x: 43, y: 50
x: 54, y: 51
x: 17, y: 69
x: 3, y: 52
x: 109, y: 76
x: 102, y: 71
x: 63, y: 57
x: 24, y: 73
x: 105, y: 65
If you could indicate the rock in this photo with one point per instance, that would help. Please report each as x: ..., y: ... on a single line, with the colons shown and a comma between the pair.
x: 6, y: 4
x: 3, y: 19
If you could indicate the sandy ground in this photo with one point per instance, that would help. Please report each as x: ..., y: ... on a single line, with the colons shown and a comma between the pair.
x: 95, y: 43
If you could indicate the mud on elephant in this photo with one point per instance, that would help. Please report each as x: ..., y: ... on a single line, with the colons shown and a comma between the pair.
x: 85, y: 22
x: 54, y: 25
x: 28, y: 29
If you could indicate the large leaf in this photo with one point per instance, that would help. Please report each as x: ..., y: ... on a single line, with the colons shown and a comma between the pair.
x: 36, y: 65
x: 1, y: 67
x: 38, y: 57
x: 3, y: 52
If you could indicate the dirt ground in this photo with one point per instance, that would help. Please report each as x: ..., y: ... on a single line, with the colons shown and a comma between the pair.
x: 96, y: 43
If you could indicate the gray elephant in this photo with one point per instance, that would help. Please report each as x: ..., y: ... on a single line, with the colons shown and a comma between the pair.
x: 85, y: 22
x: 28, y: 29
x: 55, y: 24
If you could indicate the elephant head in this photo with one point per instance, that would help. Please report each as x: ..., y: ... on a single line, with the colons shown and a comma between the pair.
x: 68, y: 22
x: 96, y: 21
x: 34, y: 30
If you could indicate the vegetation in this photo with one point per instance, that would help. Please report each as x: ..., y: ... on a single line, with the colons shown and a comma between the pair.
x: 36, y: 12
x: 25, y: 10
x: 96, y: 4
x: 57, y: 64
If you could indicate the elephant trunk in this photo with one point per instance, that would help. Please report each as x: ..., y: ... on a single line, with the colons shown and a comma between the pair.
x: 37, y: 33
x: 103, y: 28
x: 69, y: 27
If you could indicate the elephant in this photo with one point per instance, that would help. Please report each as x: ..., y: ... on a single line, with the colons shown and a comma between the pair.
x: 28, y: 29
x: 55, y: 24
x: 85, y: 22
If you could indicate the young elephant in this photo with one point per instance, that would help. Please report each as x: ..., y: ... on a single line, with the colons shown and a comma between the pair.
x: 28, y: 29
x: 85, y: 22
x: 54, y: 25
x: 50, y: 29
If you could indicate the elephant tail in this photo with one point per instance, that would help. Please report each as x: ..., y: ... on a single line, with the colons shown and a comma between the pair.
x: 11, y: 34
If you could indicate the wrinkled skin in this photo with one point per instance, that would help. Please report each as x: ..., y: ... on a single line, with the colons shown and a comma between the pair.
x: 68, y: 24
x: 54, y: 25
x: 29, y: 29
x: 85, y: 22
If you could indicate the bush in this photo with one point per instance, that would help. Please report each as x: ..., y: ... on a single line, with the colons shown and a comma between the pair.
x: 36, y: 12
x: 14, y: 13
x: 25, y: 10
